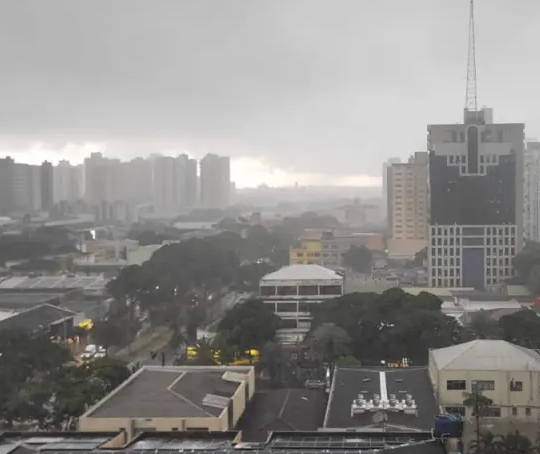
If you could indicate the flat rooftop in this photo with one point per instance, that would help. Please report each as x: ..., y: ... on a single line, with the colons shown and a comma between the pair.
x: 55, y: 282
x: 171, y: 392
x: 348, y: 383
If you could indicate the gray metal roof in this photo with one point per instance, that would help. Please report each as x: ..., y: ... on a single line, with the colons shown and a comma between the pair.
x: 486, y: 354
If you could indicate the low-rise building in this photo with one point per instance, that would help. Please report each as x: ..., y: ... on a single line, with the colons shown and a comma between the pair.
x: 291, y: 291
x: 170, y: 398
x: 506, y: 373
x: 384, y: 399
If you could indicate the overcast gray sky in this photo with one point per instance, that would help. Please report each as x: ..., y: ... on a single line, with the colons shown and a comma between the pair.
x: 292, y: 89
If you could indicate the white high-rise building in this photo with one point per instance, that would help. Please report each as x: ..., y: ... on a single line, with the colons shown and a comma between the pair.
x: 531, y: 192
x: 215, y: 181
x: 174, y: 183
x: 67, y: 182
x: 101, y: 179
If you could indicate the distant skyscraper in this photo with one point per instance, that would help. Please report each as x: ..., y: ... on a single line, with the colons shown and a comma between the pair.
x: 385, y: 167
x: 67, y: 182
x: 46, y: 177
x: 101, y: 179
x: 6, y: 185
x: 215, y: 181
x: 407, y: 190
x: 476, y: 192
x: 531, y: 195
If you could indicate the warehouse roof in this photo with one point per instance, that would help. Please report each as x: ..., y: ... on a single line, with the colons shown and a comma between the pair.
x: 486, y: 354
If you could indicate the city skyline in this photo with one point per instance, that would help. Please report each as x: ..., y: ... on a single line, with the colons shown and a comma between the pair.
x: 294, y: 84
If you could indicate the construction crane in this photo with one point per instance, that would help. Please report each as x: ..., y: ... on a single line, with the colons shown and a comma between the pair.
x: 471, y: 96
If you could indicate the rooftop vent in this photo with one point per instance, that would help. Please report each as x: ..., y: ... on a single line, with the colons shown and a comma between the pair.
x: 211, y: 400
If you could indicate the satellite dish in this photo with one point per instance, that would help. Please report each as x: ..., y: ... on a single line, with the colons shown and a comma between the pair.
x: 380, y: 417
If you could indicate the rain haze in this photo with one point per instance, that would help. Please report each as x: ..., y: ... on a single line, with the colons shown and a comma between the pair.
x: 320, y: 92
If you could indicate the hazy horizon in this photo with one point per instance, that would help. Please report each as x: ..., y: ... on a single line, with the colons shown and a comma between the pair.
x: 317, y: 92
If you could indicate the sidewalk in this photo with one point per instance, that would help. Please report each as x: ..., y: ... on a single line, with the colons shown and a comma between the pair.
x: 154, y: 339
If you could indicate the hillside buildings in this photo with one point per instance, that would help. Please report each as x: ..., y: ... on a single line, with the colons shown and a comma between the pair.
x: 476, y: 191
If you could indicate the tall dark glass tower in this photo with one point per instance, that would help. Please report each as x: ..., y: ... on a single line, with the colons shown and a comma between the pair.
x: 476, y: 198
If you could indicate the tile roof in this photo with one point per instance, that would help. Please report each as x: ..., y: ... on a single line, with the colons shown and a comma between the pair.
x: 486, y: 354
x: 348, y: 383
x: 302, y: 272
x: 168, y: 392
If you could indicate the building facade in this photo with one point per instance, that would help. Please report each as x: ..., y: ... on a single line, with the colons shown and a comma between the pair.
x: 46, y: 177
x: 407, y: 190
x: 291, y: 292
x: 476, y: 200
x: 531, y: 192
x: 215, y: 181
x: 506, y: 373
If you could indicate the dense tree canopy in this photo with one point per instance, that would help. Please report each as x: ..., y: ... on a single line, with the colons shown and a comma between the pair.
x: 358, y: 258
x: 390, y: 326
x: 249, y: 325
x: 40, y: 383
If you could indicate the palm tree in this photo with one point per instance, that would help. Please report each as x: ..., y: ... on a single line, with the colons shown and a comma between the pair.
x: 478, y: 402
x: 330, y: 342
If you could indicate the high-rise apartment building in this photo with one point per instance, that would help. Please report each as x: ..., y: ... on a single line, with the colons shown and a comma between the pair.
x: 135, y: 181
x: 175, y: 183
x: 215, y: 181
x: 407, y: 192
x: 46, y: 185
x: 67, y: 182
x: 101, y: 179
x: 385, y: 167
x: 531, y: 192
x: 476, y: 200
x: 6, y: 185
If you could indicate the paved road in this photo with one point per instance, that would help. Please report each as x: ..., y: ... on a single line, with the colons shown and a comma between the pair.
x: 226, y: 303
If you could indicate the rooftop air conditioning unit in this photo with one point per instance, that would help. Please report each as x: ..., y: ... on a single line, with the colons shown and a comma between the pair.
x: 409, y: 405
x: 359, y: 406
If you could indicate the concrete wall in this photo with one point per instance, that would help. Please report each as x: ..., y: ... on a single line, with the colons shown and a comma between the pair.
x: 513, y: 404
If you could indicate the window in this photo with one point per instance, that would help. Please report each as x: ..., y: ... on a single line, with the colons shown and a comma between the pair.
x: 514, y: 411
x: 516, y: 385
x: 456, y: 410
x: 490, y: 412
x: 460, y: 385
x: 527, y: 411
x: 485, y: 385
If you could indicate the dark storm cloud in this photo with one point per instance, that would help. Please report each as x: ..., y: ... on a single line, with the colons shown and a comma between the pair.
x: 318, y: 85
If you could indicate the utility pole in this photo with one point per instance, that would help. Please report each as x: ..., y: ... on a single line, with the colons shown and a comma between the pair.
x: 471, y: 94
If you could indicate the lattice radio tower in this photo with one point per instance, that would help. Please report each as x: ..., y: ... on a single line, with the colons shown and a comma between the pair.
x: 471, y: 98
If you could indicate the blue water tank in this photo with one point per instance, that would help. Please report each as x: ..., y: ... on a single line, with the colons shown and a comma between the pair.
x: 448, y: 425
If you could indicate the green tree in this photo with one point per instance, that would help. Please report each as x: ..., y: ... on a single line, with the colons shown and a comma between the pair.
x: 274, y: 360
x: 390, y: 326
x: 521, y: 328
x: 484, y: 327
x: 249, y: 325
x: 250, y: 274
x: 330, y: 342
x: 524, y: 263
x: 478, y: 402
x: 358, y: 258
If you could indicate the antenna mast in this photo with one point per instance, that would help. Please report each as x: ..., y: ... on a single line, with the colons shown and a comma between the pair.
x: 471, y: 98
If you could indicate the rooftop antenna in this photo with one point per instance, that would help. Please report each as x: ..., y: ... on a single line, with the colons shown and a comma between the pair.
x: 471, y: 98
